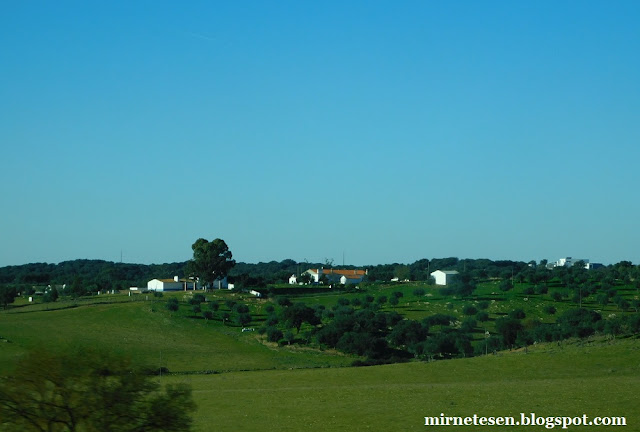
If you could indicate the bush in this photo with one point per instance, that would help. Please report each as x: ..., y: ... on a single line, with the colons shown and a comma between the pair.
x: 542, y: 289
x: 93, y: 391
x: 517, y: 314
x: 283, y: 301
x: 578, y: 322
x: 342, y: 301
x: 418, y: 292
x: 482, y: 316
x: 468, y: 325
x: 241, y: 308
x: 506, y: 285
x: 551, y: 310
x: 197, y: 299
x: 173, y: 305
x: 274, y: 334
x: 469, y: 310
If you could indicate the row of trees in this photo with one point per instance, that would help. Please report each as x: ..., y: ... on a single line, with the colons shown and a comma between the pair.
x: 214, y: 259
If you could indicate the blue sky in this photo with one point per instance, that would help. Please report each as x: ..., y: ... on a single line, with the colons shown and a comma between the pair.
x: 387, y: 131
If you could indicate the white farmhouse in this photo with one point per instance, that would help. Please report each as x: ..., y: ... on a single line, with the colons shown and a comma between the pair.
x: 337, y: 275
x: 293, y: 280
x: 569, y: 262
x: 444, y: 277
x: 177, y: 284
x: 174, y: 284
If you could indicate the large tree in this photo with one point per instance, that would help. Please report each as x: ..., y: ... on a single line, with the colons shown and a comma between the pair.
x: 211, y: 260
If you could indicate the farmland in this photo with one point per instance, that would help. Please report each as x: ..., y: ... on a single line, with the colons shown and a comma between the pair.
x: 242, y: 381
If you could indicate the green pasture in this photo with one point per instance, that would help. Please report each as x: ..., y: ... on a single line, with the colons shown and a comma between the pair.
x: 149, y: 333
x: 500, y: 303
x: 261, y: 387
x: 571, y: 379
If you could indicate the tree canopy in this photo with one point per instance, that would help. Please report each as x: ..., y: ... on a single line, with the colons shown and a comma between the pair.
x: 90, y: 390
x: 211, y: 260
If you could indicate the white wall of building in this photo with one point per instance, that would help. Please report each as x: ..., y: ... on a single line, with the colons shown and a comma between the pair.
x: 444, y: 277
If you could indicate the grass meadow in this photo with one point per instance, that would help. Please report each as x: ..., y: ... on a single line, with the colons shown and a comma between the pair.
x: 241, y: 383
x: 597, y: 379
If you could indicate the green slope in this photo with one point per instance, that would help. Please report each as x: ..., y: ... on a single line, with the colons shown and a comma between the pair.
x: 147, y: 332
x: 599, y: 379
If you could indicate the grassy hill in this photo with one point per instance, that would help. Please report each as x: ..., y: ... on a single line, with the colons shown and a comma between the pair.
x: 149, y: 333
x: 259, y: 386
x: 571, y: 379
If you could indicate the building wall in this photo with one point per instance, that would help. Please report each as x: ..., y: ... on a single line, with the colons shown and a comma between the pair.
x: 158, y: 285
x: 443, y: 278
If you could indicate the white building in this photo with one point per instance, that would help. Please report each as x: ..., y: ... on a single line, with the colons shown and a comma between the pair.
x: 568, y: 262
x: 293, y: 280
x: 177, y: 284
x: 174, y: 284
x: 337, y: 275
x: 444, y: 277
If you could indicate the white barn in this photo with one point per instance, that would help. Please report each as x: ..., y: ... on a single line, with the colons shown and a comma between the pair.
x: 177, y: 284
x: 444, y: 277
x: 174, y: 284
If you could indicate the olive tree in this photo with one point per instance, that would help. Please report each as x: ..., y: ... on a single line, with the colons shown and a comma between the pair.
x: 90, y: 390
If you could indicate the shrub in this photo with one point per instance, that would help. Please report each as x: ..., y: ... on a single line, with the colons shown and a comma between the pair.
x: 517, y: 314
x: 469, y: 310
x: 542, y: 289
x: 482, y: 316
x: 173, y: 305
x: 91, y: 390
x: 274, y: 334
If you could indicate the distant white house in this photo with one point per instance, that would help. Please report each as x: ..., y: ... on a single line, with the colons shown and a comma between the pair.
x: 569, y: 262
x: 174, y: 284
x: 344, y: 277
x: 444, y: 277
x: 177, y: 284
x: 293, y: 280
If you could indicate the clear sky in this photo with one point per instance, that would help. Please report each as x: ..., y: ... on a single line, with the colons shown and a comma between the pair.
x: 387, y: 131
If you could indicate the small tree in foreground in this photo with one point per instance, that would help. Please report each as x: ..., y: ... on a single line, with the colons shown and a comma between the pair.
x: 88, y: 390
x: 7, y: 295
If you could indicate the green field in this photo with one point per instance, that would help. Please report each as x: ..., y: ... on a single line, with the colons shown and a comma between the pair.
x: 149, y: 333
x: 597, y: 379
x: 242, y: 383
